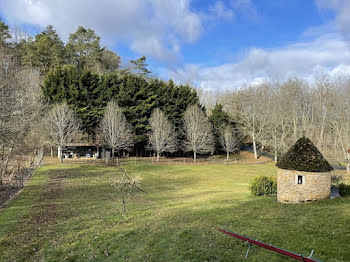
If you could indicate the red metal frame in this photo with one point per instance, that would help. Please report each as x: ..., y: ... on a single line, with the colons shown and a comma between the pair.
x: 269, y: 247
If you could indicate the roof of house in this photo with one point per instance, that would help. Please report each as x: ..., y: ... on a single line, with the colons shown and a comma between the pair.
x: 304, y: 156
x: 82, y: 144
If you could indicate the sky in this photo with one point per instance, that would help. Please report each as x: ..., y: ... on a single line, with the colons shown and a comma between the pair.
x: 214, y: 45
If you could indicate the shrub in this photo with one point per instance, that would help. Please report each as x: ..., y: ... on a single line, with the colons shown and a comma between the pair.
x: 344, y: 189
x: 264, y: 186
x: 336, y: 179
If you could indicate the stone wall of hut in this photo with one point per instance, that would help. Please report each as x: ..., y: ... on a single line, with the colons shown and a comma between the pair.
x: 315, y: 186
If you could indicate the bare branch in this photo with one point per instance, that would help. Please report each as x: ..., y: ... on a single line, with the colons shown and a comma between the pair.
x: 198, y: 130
x: 61, y: 126
x: 114, y: 129
x: 162, y: 137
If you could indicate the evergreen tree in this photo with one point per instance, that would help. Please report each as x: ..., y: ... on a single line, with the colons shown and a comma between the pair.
x: 79, y: 88
x: 84, y: 48
x: 4, y: 33
x: 139, y: 66
x: 110, y: 61
x: 46, y: 51
x: 88, y: 94
x: 219, y: 119
x: 138, y: 100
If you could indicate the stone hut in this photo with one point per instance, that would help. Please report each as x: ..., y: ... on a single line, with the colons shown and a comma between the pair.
x: 303, y: 174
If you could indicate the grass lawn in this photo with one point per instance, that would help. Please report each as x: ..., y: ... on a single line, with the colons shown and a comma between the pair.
x: 71, y: 212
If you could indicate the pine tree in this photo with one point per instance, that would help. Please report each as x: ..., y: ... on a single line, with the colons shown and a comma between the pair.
x: 219, y: 119
x: 139, y: 66
x: 88, y: 94
x: 46, y: 51
x: 110, y: 61
x: 84, y: 48
x: 4, y: 33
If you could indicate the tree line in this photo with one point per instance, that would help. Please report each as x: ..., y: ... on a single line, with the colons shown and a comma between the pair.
x: 39, y: 73
x: 20, y: 109
x: 46, y: 50
x: 54, y: 93
x: 273, y: 115
x: 88, y: 94
x: 115, y: 133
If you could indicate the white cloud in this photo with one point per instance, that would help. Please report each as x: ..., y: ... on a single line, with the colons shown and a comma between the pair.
x: 219, y: 10
x: 246, y: 7
x: 328, y: 53
x: 152, y: 27
x: 342, y: 11
x: 155, y: 28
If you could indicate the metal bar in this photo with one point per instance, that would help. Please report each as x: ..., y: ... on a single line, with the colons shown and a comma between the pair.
x: 250, y: 247
x: 312, y: 252
x: 269, y: 247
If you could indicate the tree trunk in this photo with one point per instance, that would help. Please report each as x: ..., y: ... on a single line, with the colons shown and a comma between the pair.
x: 157, y: 156
x: 123, y: 206
x: 107, y: 156
x: 40, y: 155
x: 59, y: 152
x: 295, y: 129
x: 275, y: 155
x: 275, y: 149
x: 32, y: 159
x: 227, y: 155
x: 348, y: 164
x: 113, y: 152
x: 5, y: 165
x: 103, y: 154
x: 194, y: 156
x: 254, y: 148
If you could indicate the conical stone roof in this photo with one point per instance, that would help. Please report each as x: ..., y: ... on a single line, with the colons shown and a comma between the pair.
x: 304, y: 156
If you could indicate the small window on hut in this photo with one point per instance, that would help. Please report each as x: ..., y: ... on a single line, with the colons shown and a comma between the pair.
x: 300, y: 180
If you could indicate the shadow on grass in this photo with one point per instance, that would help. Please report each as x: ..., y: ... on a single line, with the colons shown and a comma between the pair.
x: 191, y: 235
x: 171, y: 223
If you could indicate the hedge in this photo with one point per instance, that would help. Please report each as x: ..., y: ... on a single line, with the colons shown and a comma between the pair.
x: 263, y: 186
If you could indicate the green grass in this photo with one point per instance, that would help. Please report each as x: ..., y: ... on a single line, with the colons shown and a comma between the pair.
x: 70, y: 212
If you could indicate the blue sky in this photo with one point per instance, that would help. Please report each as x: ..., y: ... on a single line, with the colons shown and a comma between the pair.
x: 215, y: 45
x: 277, y: 23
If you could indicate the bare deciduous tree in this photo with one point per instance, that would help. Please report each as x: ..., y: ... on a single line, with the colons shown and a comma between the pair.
x: 229, y: 140
x: 340, y: 120
x: 298, y: 106
x: 162, y: 137
x: 20, y: 107
x: 279, y: 125
x: 114, y: 129
x: 125, y: 185
x: 198, y: 130
x: 248, y: 108
x: 61, y: 126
